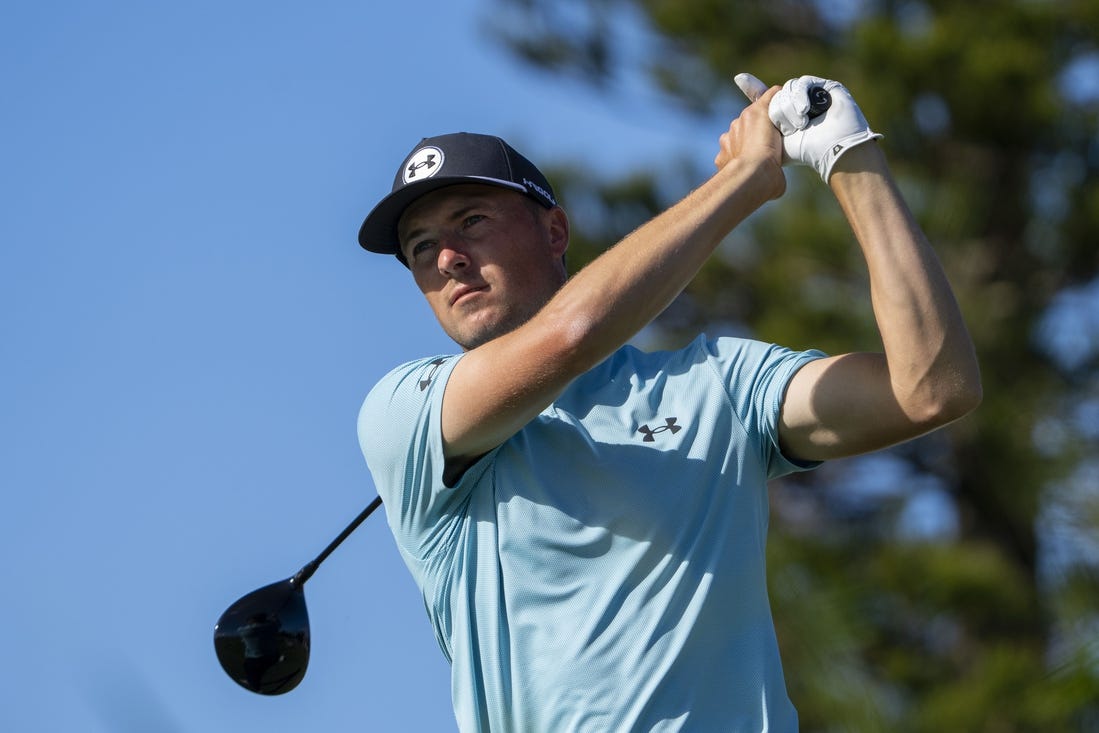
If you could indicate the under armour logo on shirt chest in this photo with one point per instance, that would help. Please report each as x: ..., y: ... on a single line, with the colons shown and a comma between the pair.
x: 651, y: 433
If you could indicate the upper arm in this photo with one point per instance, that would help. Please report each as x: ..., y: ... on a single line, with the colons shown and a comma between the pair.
x: 398, y: 430
x: 845, y: 405
x: 497, y: 388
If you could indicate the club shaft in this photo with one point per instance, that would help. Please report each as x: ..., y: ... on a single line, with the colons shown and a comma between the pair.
x: 311, y: 567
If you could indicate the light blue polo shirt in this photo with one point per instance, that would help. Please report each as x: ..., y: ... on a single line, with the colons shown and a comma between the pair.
x: 603, y: 569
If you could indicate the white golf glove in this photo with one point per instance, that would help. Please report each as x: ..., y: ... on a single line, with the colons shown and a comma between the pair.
x: 814, y: 141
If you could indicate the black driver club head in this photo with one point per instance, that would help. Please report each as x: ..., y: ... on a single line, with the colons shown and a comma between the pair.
x: 262, y: 640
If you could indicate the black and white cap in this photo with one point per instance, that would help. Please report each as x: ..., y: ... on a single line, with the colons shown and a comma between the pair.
x: 446, y: 160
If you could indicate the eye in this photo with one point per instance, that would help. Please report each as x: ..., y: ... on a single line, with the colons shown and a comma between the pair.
x: 421, y: 247
x: 471, y: 220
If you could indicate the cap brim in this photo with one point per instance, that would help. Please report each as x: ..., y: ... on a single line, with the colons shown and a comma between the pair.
x: 379, y: 230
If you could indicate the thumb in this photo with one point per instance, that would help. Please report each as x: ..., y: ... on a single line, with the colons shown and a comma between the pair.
x: 752, y: 87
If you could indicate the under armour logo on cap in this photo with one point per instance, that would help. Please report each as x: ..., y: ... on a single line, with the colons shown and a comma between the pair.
x: 448, y: 160
x: 424, y: 163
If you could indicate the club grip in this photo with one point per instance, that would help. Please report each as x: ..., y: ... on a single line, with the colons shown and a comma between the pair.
x: 819, y: 101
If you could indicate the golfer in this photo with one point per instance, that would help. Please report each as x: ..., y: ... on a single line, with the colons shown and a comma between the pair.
x: 587, y: 521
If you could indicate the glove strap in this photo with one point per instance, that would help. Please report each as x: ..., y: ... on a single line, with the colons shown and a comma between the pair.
x: 841, y: 146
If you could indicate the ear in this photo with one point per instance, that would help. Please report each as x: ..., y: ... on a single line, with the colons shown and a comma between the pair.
x: 557, y: 224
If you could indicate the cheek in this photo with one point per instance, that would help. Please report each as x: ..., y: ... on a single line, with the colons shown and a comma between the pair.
x: 432, y: 292
x: 427, y: 281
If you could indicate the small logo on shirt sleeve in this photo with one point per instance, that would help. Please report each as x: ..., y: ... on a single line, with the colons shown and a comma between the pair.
x: 426, y: 381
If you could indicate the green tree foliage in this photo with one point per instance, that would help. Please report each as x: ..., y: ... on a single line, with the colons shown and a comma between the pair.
x: 986, y: 618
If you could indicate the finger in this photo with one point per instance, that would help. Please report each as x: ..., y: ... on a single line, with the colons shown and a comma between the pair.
x: 723, y: 155
x: 752, y: 87
x: 768, y: 95
x: 788, y: 108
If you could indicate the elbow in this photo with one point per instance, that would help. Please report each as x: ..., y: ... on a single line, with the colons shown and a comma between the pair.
x: 581, y: 344
x: 968, y: 392
x: 964, y: 399
x: 574, y: 340
x: 566, y: 343
x: 951, y: 400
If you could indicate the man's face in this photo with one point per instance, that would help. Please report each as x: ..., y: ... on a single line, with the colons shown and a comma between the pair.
x: 486, y: 258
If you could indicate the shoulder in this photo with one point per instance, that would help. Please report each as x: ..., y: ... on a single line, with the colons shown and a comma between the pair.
x: 415, y: 377
x: 745, y: 357
x: 701, y: 351
x: 752, y: 373
x: 406, y: 392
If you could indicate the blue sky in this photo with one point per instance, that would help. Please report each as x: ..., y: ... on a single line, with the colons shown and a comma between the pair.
x: 187, y: 329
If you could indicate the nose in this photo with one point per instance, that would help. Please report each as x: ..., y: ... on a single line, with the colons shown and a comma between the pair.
x: 452, y: 256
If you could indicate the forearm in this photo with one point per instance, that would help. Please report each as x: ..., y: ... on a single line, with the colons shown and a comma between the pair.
x: 500, y: 386
x: 930, y: 357
x: 629, y: 285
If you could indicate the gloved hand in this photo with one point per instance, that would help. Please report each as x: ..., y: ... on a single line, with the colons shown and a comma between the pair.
x: 814, y: 141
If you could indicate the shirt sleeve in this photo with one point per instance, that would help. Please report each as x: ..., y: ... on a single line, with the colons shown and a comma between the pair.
x: 756, y: 375
x: 400, y: 435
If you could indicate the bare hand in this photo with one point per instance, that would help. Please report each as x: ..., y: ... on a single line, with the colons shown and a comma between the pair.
x: 752, y: 137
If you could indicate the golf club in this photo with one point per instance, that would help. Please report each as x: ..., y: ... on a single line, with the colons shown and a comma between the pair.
x: 262, y: 640
x: 819, y: 101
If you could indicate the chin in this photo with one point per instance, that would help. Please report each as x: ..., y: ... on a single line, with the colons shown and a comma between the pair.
x: 475, y: 335
x: 472, y: 340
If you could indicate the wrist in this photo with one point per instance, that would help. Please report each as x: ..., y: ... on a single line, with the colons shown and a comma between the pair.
x: 829, y: 162
x: 761, y: 180
x: 866, y: 157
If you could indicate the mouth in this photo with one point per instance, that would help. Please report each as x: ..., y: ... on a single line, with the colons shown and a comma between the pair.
x: 462, y: 292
